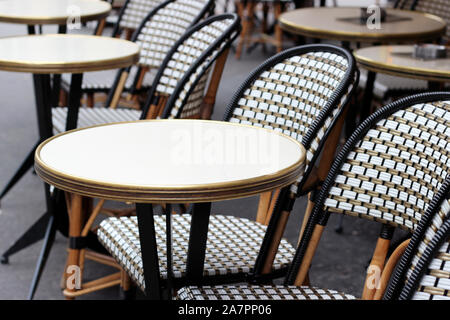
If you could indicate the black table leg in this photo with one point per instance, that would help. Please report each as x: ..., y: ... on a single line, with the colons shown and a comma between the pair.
x: 74, y: 101
x: 149, y: 251
x: 434, y: 85
x: 197, y: 242
x: 62, y: 29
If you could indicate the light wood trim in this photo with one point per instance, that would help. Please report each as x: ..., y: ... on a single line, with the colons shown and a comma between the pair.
x: 75, y: 226
x: 210, y: 98
x: 118, y: 92
x: 309, y: 254
x: 389, y: 268
x: 92, y: 217
x: 246, y: 18
x: 273, y: 247
x: 263, y: 206
x: 95, y: 285
x: 103, y: 259
x: 273, y: 201
x: 378, y: 260
x: 308, y: 211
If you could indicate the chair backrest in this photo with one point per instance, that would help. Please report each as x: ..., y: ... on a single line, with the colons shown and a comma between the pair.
x: 423, y: 272
x: 133, y: 13
x: 180, y: 83
x: 390, y: 169
x: 299, y: 92
x: 164, y: 25
x: 440, y: 8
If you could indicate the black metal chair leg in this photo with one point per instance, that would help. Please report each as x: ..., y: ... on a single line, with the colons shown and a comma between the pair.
x: 49, y: 239
x: 35, y: 233
x: 24, y: 167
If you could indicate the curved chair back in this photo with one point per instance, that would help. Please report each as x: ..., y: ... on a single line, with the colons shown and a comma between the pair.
x: 299, y: 92
x: 156, y: 35
x: 388, y: 171
x: 302, y: 92
x: 133, y: 13
x: 179, y: 86
x: 423, y: 272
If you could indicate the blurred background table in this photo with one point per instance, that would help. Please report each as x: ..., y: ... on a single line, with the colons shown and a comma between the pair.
x: 44, y: 55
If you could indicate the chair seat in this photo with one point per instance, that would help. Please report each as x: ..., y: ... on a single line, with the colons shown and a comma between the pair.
x: 254, y: 292
x: 102, y: 81
x: 232, y: 247
x: 92, y: 116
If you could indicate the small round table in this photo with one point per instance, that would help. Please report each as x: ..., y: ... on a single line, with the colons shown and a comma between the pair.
x: 399, y: 61
x: 167, y: 161
x: 60, y: 12
x: 44, y: 55
x: 342, y: 23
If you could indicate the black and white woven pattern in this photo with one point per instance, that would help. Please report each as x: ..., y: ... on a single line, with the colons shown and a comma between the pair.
x: 162, y: 31
x: 189, y: 99
x: 435, y: 283
x: 290, y: 96
x: 269, y: 292
x: 135, y: 12
x: 232, y: 246
x: 102, y: 81
x: 92, y: 116
x: 395, y: 170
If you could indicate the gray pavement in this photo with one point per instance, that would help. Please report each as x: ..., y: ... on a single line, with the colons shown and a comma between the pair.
x: 339, y: 263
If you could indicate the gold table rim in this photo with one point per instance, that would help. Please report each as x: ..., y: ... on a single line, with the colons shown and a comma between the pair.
x: 56, y: 20
x: 175, y: 194
x: 69, y: 67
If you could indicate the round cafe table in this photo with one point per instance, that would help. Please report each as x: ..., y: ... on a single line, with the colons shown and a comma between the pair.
x: 398, y: 61
x: 166, y: 162
x: 43, y: 55
x: 343, y: 24
x: 59, y: 12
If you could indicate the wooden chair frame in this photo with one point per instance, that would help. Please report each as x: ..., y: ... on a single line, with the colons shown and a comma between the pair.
x: 318, y: 220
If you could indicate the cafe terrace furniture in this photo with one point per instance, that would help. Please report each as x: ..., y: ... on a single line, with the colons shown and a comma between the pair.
x: 43, y: 55
x: 247, y: 10
x: 168, y: 161
x: 390, y: 171
x: 301, y: 92
x: 30, y: 13
x: 385, y: 86
x: 398, y: 61
x: 156, y: 33
x: 343, y: 24
x: 59, y: 12
x: 423, y: 270
x: 181, y: 79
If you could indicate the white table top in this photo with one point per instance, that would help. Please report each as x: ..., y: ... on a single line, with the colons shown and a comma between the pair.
x: 65, y: 53
x: 398, y: 60
x: 52, y: 11
x: 170, y: 161
x: 326, y: 23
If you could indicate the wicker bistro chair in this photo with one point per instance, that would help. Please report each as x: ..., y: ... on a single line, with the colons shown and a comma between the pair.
x: 158, y: 29
x: 299, y: 92
x: 423, y: 272
x: 187, y: 65
x: 389, y: 171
